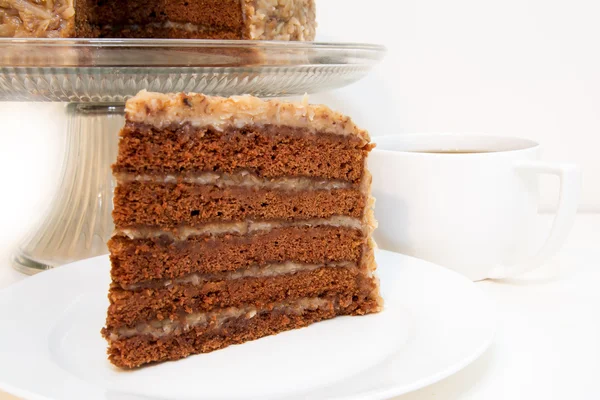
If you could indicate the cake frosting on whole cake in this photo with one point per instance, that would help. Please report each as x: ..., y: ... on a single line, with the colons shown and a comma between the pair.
x: 236, y: 218
x: 199, y: 19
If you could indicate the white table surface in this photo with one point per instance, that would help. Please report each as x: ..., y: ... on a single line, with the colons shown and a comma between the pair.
x: 548, y: 339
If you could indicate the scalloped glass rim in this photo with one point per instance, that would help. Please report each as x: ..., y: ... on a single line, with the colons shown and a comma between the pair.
x: 65, y: 52
x: 188, y: 42
x: 112, y: 70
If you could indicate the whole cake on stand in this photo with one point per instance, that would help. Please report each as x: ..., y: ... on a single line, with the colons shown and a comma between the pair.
x: 178, y: 19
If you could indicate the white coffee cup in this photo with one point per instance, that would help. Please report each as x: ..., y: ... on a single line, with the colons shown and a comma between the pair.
x: 467, y: 202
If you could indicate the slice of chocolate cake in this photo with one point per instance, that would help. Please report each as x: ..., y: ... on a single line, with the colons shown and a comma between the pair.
x: 236, y: 218
x: 197, y: 19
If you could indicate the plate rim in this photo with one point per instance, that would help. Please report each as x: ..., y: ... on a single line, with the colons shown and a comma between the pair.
x: 425, y: 382
x: 388, y: 392
x: 400, y: 390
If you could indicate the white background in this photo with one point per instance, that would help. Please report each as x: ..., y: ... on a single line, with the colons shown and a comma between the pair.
x: 527, y: 68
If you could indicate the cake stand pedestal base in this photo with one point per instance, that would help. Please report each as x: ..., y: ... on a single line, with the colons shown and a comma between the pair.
x: 79, y: 222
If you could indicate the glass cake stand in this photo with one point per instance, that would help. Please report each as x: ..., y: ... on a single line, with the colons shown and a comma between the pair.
x: 96, y: 76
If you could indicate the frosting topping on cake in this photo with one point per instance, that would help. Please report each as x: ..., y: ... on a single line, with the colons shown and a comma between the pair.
x: 256, y: 271
x: 166, y: 110
x: 241, y: 179
x: 39, y: 18
x: 280, y: 19
x: 160, y: 328
x: 240, y: 228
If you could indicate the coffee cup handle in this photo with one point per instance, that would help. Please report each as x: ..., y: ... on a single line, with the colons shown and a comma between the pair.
x: 570, y: 187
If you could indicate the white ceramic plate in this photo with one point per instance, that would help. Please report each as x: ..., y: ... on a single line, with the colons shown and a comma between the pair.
x: 435, y: 322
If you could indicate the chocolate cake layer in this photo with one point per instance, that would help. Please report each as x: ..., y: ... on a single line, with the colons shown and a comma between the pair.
x: 130, y: 352
x: 223, y: 14
x: 169, y: 205
x: 267, y: 151
x: 140, y: 260
x: 166, y: 30
x: 201, y: 19
x: 130, y: 307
